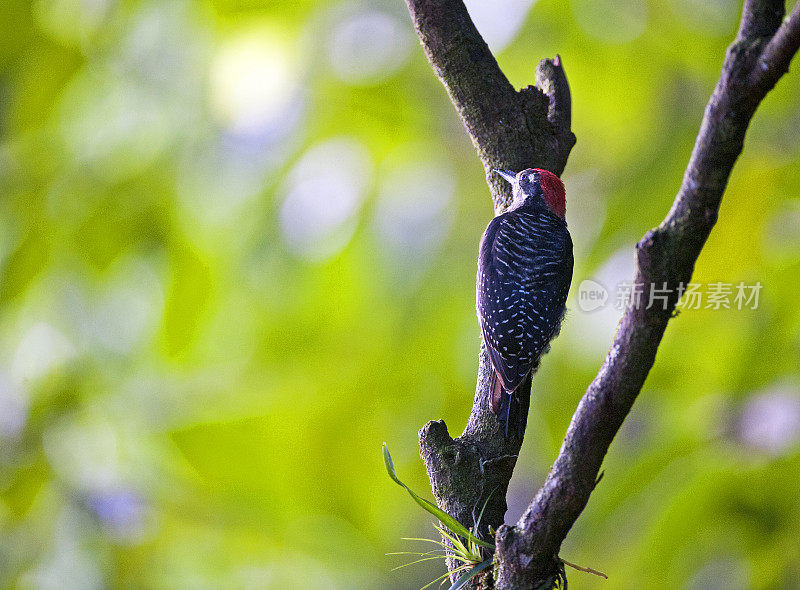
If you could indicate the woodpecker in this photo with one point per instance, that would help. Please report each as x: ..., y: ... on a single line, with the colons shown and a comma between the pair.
x: 524, y: 272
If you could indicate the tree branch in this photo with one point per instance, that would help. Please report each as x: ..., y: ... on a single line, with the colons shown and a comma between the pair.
x: 778, y: 53
x: 510, y: 129
x: 527, y: 552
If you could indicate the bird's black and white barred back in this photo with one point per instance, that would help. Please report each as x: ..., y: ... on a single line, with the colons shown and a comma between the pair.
x: 524, y: 273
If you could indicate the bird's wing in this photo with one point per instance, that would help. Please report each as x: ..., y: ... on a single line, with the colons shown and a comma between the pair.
x: 524, y: 272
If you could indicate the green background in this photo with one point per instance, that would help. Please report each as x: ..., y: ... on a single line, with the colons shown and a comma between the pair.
x: 237, y: 253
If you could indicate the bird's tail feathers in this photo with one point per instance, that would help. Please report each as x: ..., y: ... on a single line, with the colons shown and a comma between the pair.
x: 510, y: 406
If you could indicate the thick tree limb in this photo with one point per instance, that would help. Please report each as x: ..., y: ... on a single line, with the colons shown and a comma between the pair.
x: 531, y: 128
x: 512, y: 130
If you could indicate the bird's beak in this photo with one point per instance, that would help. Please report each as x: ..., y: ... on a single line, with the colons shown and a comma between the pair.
x: 508, y: 175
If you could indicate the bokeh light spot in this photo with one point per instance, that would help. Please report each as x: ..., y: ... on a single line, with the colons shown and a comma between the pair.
x: 721, y: 573
x: 500, y: 21
x: 712, y: 17
x: 121, y: 511
x: 41, y: 349
x: 593, y: 331
x: 253, y: 81
x: 586, y: 209
x: 13, y: 408
x: 366, y: 47
x: 114, y: 125
x: 770, y: 422
x: 413, y: 215
x: 611, y: 21
x: 323, y: 194
x: 84, y: 451
x: 782, y: 233
x: 71, y: 21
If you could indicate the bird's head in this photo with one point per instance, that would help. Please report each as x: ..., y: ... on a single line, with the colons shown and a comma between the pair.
x: 534, y: 184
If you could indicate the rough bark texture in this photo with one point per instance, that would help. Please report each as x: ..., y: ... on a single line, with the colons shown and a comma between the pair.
x: 531, y: 128
x: 510, y: 129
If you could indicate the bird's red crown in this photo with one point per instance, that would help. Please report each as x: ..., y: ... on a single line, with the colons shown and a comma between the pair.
x: 555, y: 196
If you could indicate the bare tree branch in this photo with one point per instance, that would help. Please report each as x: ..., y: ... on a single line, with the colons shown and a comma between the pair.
x: 527, y: 552
x: 778, y: 53
x: 531, y: 128
x: 510, y: 129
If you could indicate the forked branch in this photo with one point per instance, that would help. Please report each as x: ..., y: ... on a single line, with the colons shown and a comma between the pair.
x: 531, y: 128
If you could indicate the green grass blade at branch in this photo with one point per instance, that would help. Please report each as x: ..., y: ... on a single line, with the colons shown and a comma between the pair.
x: 447, y: 520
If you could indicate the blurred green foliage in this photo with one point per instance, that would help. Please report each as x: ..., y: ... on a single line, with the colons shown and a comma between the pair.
x: 238, y: 253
